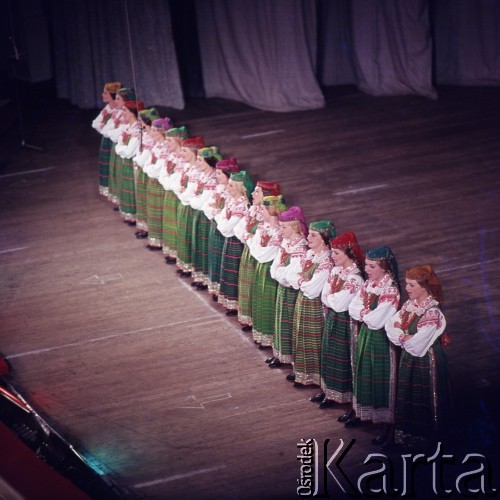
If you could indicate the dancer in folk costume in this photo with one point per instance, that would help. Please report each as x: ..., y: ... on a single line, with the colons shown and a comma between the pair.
x: 344, y: 282
x: 146, y: 117
x: 101, y: 120
x: 293, y: 247
x: 239, y: 188
x: 308, y: 321
x: 245, y: 231
x: 422, y: 395
x: 155, y: 192
x: 168, y: 177
x: 374, y: 370
x: 206, y: 160
x: 127, y: 147
x: 212, y: 208
x: 184, y: 190
x: 264, y: 246
x: 114, y: 129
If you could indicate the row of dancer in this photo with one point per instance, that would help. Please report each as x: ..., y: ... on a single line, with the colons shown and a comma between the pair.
x: 324, y: 308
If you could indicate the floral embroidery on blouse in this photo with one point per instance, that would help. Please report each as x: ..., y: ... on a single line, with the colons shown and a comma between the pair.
x: 428, y: 313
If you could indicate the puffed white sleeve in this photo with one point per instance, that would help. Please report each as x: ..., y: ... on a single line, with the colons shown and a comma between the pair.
x: 262, y: 254
x: 186, y: 196
x: 155, y: 169
x: 142, y: 157
x: 208, y: 209
x: 197, y: 202
x: 340, y: 301
x: 356, y: 304
x: 394, y: 332
x: 387, y: 305
x: 279, y: 272
x: 226, y: 227
x: 430, y: 326
x: 276, y: 264
x: 128, y: 150
x: 240, y: 230
x: 313, y: 288
x: 112, y: 131
x: 293, y: 272
x: 97, y: 122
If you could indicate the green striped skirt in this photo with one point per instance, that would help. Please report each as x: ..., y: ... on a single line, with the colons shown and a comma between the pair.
x: 308, y: 324
x: 169, y: 224
x: 199, y: 248
x: 374, y: 377
x: 141, y: 190
x: 246, y: 279
x: 286, y: 298
x: 263, y: 305
x: 230, y: 265
x: 185, y: 214
x: 154, y: 206
x: 336, y: 369
x: 423, y: 397
x: 104, y: 157
x: 114, y: 177
x: 215, y: 246
x: 127, y: 190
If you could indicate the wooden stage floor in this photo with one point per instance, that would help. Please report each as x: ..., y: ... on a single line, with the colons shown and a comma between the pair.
x: 149, y: 376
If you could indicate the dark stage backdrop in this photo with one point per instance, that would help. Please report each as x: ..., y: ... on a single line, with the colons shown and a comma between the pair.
x: 271, y: 54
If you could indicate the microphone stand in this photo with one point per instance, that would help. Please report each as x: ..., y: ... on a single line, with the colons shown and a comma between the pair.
x: 16, y: 57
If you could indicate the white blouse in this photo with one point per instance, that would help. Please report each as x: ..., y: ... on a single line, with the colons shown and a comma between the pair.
x: 241, y: 231
x: 102, y: 118
x: 129, y: 141
x: 313, y: 287
x: 142, y: 157
x: 387, y: 305
x: 156, y: 162
x: 194, y: 174
x: 233, y: 212
x: 293, y: 249
x: 265, y: 244
x: 430, y: 326
x: 341, y: 287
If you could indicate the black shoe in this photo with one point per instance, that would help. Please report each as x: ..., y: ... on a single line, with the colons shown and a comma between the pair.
x: 262, y: 347
x: 115, y: 209
x: 195, y: 283
x: 246, y: 328
x: 185, y: 274
x: 275, y: 364
x: 318, y: 398
x: 152, y: 248
x: 170, y: 260
x: 201, y: 286
x: 215, y: 298
x: 327, y: 403
x: 231, y: 312
x: 270, y: 360
x: 299, y: 386
x: 130, y: 222
x: 352, y: 423
x: 346, y: 416
x: 290, y: 377
x: 141, y: 235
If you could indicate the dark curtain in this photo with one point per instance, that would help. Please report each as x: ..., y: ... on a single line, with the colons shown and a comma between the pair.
x: 272, y: 54
x: 466, y: 36
x: 96, y: 42
x: 262, y: 53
